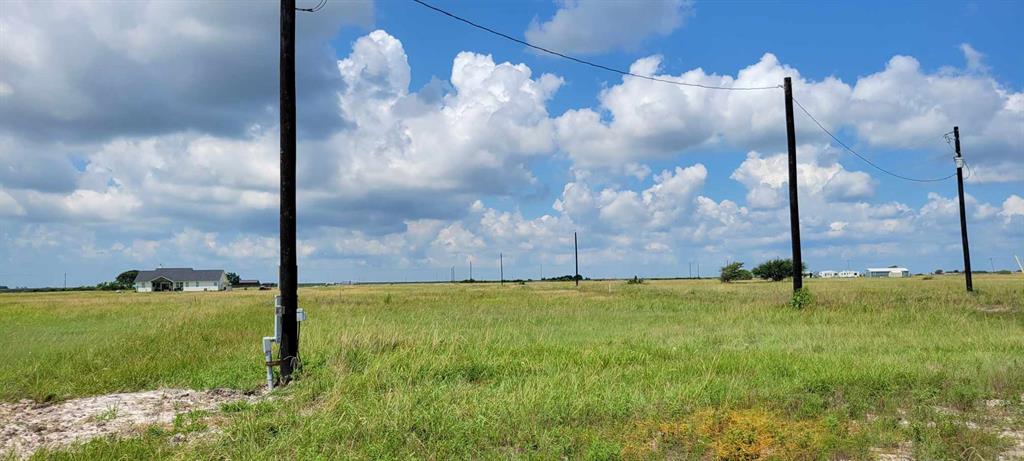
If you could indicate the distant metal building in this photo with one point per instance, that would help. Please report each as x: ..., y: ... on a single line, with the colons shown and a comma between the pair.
x: 887, y: 272
x: 244, y: 284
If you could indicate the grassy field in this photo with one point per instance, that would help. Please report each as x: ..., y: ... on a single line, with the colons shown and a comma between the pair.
x: 674, y: 369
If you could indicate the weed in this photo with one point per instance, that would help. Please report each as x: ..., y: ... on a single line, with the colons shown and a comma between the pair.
x: 801, y: 298
x: 107, y: 415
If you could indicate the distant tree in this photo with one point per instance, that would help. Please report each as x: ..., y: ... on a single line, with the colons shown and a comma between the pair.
x: 776, y: 269
x: 563, y: 278
x: 939, y: 272
x: 734, y: 271
x: 233, y: 278
x: 126, y: 279
x: 108, y: 286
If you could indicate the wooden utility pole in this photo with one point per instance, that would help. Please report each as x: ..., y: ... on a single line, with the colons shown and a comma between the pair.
x: 288, y: 269
x: 963, y: 209
x: 576, y: 250
x: 794, y: 208
x: 501, y: 268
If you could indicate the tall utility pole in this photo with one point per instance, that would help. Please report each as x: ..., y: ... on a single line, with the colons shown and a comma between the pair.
x: 794, y: 208
x: 288, y: 269
x: 470, y: 269
x: 963, y: 210
x: 576, y: 250
x: 501, y: 268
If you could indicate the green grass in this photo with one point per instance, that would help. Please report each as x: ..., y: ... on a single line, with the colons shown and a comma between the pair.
x: 664, y: 369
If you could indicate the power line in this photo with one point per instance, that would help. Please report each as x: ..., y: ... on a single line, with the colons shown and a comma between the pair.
x: 869, y: 162
x: 695, y: 85
x: 318, y: 7
x: 590, y: 63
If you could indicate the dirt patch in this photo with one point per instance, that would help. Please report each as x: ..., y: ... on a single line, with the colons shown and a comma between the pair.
x: 996, y: 309
x: 1016, y: 451
x: 27, y: 425
x: 902, y: 452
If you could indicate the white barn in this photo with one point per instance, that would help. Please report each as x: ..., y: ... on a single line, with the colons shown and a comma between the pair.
x: 891, y: 272
x: 181, y: 279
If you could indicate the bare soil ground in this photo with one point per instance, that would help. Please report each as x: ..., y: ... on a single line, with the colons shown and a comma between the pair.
x: 27, y: 425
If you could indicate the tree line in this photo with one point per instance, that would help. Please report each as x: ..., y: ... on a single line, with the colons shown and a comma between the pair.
x: 773, y: 269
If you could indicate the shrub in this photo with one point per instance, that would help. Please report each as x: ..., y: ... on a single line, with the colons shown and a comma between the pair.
x: 776, y: 269
x: 734, y: 271
x: 634, y: 281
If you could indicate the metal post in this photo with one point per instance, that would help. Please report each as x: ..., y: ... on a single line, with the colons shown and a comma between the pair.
x: 501, y: 267
x: 576, y: 250
x: 963, y: 209
x: 288, y: 269
x: 794, y: 208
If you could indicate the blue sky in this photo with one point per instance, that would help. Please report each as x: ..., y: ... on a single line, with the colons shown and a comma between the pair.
x: 147, y: 135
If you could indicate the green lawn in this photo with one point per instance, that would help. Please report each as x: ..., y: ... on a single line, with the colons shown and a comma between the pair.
x: 674, y: 369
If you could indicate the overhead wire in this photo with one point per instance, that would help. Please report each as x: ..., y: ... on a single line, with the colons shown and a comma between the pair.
x: 591, y: 63
x: 318, y: 7
x: 675, y: 82
x: 865, y: 159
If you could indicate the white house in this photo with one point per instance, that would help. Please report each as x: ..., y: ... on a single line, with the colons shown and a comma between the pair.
x: 181, y: 279
x: 827, y: 274
x: 891, y: 272
x: 849, y: 274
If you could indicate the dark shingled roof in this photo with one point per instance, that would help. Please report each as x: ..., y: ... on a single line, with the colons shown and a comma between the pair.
x: 180, y: 274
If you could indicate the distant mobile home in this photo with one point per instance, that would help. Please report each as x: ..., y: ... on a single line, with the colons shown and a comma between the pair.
x: 827, y: 274
x: 181, y: 279
x: 849, y: 274
x: 891, y: 272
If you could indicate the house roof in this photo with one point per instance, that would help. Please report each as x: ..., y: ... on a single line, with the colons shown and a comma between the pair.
x: 180, y: 274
